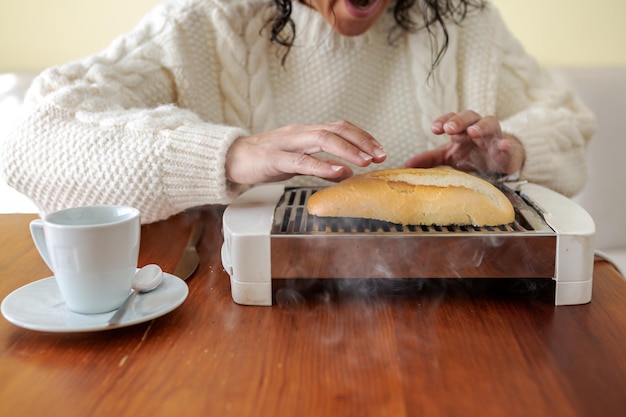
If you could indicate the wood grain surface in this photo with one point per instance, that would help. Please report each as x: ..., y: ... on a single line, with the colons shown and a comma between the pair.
x: 391, y: 347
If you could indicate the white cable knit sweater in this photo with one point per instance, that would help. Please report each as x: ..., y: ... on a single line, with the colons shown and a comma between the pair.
x: 148, y: 121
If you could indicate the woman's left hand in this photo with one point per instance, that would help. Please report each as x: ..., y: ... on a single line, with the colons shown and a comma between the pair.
x: 476, y: 144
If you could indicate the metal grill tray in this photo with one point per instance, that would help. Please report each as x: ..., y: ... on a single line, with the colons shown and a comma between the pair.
x: 308, y: 246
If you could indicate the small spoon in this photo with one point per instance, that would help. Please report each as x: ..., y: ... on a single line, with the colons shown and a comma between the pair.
x: 146, y: 279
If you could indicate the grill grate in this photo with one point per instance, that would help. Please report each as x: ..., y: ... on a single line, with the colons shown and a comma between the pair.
x: 291, y: 217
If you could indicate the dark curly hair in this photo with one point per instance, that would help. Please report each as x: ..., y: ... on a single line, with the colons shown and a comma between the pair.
x: 434, y: 12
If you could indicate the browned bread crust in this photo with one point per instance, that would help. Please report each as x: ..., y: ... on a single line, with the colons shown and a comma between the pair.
x: 416, y: 196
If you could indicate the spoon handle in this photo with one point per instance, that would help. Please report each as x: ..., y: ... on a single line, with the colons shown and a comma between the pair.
x: 119, y: 314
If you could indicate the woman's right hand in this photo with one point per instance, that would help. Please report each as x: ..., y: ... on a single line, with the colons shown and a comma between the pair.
x: 288, y: 151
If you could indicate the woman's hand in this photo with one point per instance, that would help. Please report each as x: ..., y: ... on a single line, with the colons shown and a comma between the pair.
x: 476, y: 144
x: 283, y: 153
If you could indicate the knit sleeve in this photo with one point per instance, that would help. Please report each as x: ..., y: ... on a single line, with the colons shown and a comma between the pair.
x: 110, y: 129
x: 552, y: 123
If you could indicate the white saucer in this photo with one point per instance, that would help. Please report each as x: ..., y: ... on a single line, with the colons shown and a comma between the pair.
x: 39, y: 306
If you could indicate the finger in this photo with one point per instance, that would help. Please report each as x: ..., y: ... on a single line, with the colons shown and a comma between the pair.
x: 333, y: 144
x: 359, y: 138
x: 486, y: 126
x: 344, y: 173
x: 437, y: 125
x: 484, y: 131
x: 323, y: 140
x: 460, y: 122
x: 302, y: 164
x: 341, y: 139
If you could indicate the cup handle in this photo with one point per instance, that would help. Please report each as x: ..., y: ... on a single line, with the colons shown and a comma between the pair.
x: 36, y: 231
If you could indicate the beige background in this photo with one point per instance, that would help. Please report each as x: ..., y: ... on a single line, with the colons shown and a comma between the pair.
x: 36, y: 34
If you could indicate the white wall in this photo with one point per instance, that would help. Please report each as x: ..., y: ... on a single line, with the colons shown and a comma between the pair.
x: 569, y: 32
x: 40, y: 33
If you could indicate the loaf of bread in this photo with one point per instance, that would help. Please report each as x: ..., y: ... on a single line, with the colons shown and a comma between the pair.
x: 415, y: 196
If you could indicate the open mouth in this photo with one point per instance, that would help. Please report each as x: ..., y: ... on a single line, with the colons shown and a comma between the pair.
x: 362, y: 4
x: 362, y: 8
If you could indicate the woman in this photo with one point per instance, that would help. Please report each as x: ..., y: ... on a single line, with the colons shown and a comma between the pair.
x: 207, y: 97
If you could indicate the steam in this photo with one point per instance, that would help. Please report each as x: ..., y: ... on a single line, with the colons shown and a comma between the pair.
x: 373, y: 260
x: 459, y: 264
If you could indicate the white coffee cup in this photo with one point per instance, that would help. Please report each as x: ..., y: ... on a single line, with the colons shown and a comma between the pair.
x: 92, y: 252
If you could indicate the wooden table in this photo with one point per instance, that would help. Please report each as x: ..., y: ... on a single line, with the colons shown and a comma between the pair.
x: 435, y: 348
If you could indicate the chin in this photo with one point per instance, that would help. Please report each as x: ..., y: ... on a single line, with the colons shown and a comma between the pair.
x: 352, y: 28
x: 350, y: 31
